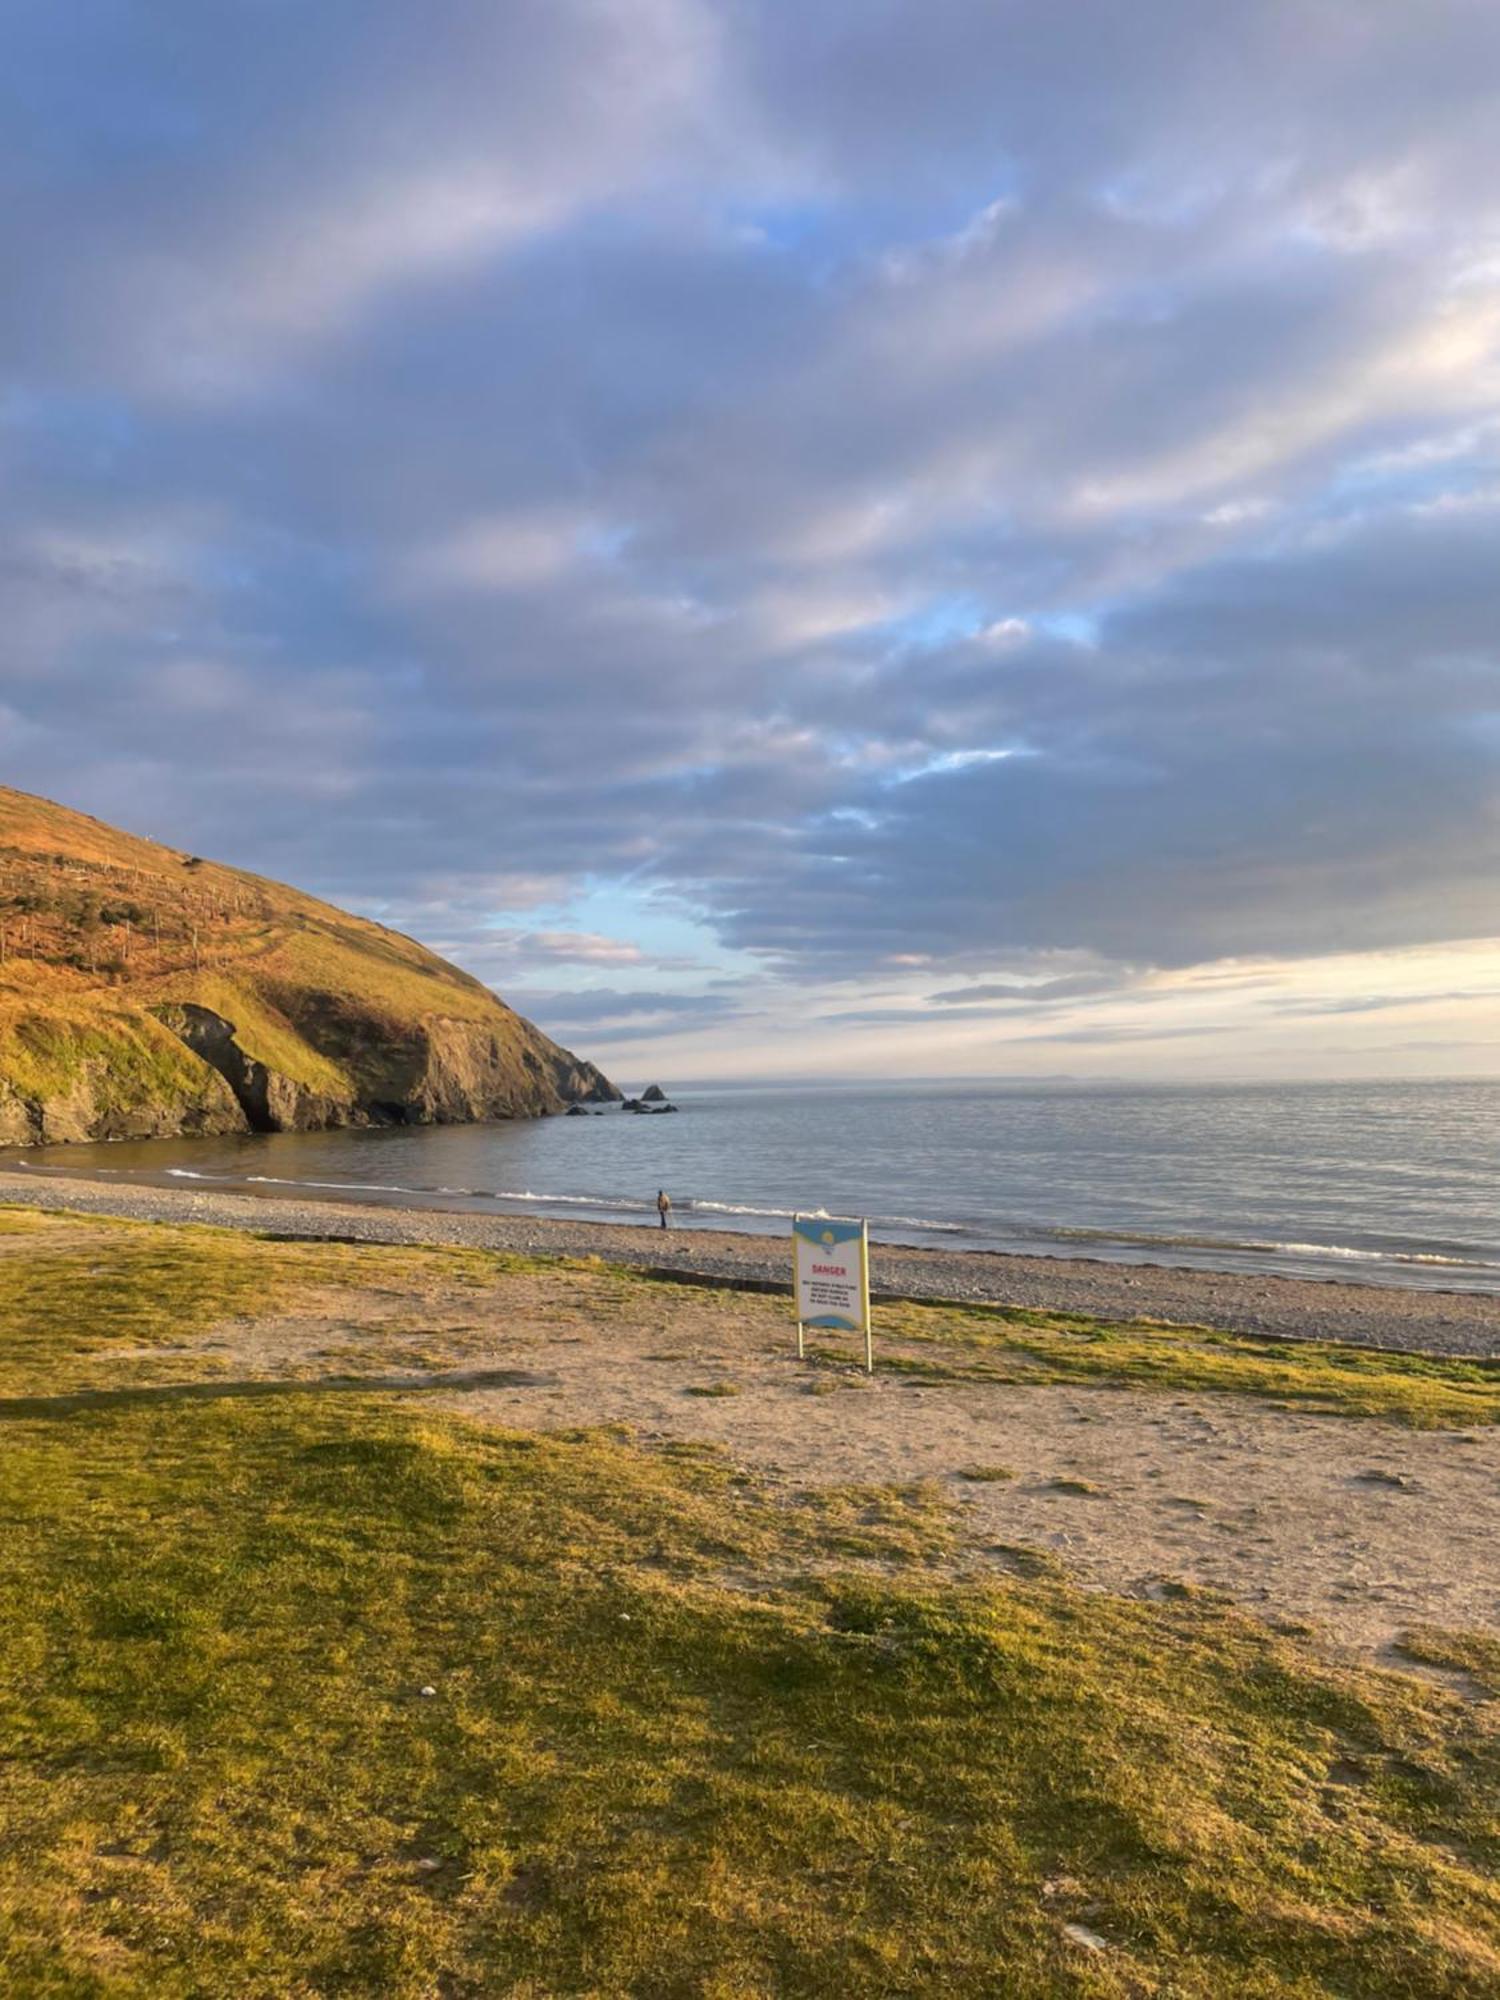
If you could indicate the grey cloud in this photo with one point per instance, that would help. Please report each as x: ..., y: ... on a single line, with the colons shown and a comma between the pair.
x: 1071, y: 986
x: 609, y: 1010
x: 783, y: 356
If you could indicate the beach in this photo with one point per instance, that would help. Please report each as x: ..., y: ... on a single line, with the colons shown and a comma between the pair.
x: 452, y: 1567
x: 1427, y: 1321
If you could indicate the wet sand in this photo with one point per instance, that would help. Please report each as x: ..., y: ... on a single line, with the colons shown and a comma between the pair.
x: 1465, y: 1324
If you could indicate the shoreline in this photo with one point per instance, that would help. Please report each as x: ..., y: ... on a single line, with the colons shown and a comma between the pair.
x: 1461, y: 1325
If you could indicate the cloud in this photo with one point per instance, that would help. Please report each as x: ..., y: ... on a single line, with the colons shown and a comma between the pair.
x: 1038, y: 992
x: 613, y: 1018
x: 580, y: 947
x: 1384, y: 1003
x: 960, y: 495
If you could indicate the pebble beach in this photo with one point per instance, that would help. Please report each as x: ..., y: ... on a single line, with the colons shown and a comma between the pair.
x: 1456, y: 1324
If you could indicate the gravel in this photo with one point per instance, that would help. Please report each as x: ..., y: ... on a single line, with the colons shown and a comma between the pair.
x: 1462, y: 1324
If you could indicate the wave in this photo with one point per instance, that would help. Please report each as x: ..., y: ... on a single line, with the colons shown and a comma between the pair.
x: 1039, y: 1237
x: 1257, y: 1247
x: 824, y: 1215
x: 609, y: 1204
x: 1252, y: 1246
x: 1432, y: 1257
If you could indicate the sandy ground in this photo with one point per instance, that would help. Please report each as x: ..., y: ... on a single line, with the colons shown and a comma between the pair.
x: 1427, y: 1321
x: 1357, y: 1528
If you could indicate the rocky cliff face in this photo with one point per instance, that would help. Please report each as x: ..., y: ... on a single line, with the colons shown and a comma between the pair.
x: 437, y: 1072
x: 266, y: 1101
x: 87, y: 1109
x: 110, y: 1076
x: 146, y: 992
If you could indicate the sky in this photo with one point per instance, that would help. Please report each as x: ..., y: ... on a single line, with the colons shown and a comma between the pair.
x: 956, y: 537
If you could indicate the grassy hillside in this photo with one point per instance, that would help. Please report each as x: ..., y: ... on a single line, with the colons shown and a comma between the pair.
x: 146, y: 990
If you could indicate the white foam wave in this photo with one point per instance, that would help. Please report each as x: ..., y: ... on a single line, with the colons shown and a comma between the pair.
x: 1431, y: 1257
x: 1034, y: 1232
x: 748, y: 1208
x: 823, y: 1215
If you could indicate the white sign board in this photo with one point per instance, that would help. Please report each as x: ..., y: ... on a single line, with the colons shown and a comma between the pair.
x: 832, y: 1265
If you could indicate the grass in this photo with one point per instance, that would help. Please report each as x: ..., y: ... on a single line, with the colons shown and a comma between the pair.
x: 686, y: 1736
x: 993, y: 1343
x: 1476, y: 1654
x: 94, y: 1289
x: 161, y: 1285
x: 220, y: 1775
x: 123, y: 1057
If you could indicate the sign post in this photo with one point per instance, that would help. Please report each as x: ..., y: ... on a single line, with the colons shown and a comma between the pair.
x: 832, y: 1269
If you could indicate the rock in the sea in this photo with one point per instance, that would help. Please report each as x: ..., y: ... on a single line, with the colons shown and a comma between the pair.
x: 653, y: 1094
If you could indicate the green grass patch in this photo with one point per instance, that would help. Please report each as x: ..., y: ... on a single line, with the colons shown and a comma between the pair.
x: 158, y: 1285
x: 1476, y: 1654
x: 69, y: 1301
x: 986, y: 1474
x: 1005, y: 1345
x: 1027, y: 1560
x: 220, y: 1775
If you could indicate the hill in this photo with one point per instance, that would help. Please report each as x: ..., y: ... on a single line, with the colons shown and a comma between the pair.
x: 145, y: 991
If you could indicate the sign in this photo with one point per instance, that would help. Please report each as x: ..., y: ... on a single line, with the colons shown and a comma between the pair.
x: 832, y: 1265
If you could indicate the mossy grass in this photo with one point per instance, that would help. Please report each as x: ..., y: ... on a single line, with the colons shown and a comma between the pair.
x: 683, y: 1736
x: 93, y: 1285
x: 1476, y: 1654
x: 128, y: 1059
x: 1426, y: 1392
x: 668, y: 1749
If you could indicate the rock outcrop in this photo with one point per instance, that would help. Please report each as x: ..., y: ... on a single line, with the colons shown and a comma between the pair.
x: 435, y: 1072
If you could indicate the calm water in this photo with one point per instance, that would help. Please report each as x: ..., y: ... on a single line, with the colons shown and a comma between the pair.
x: 1392, y: 1183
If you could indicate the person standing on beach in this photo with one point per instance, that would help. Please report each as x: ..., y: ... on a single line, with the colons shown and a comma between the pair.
x: 663, y: 1205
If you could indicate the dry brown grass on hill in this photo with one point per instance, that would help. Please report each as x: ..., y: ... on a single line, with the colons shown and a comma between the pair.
x: 84, y: 905
x: 105, y: 938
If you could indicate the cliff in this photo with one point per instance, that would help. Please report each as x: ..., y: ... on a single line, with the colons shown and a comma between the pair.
x: 145, y: 991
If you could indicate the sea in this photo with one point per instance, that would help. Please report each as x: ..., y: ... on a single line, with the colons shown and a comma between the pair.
x: 1391, y: 1183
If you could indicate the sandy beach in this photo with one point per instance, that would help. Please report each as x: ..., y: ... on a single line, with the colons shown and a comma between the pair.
x: 1465, y: 1324
x: 1361, y: 1529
